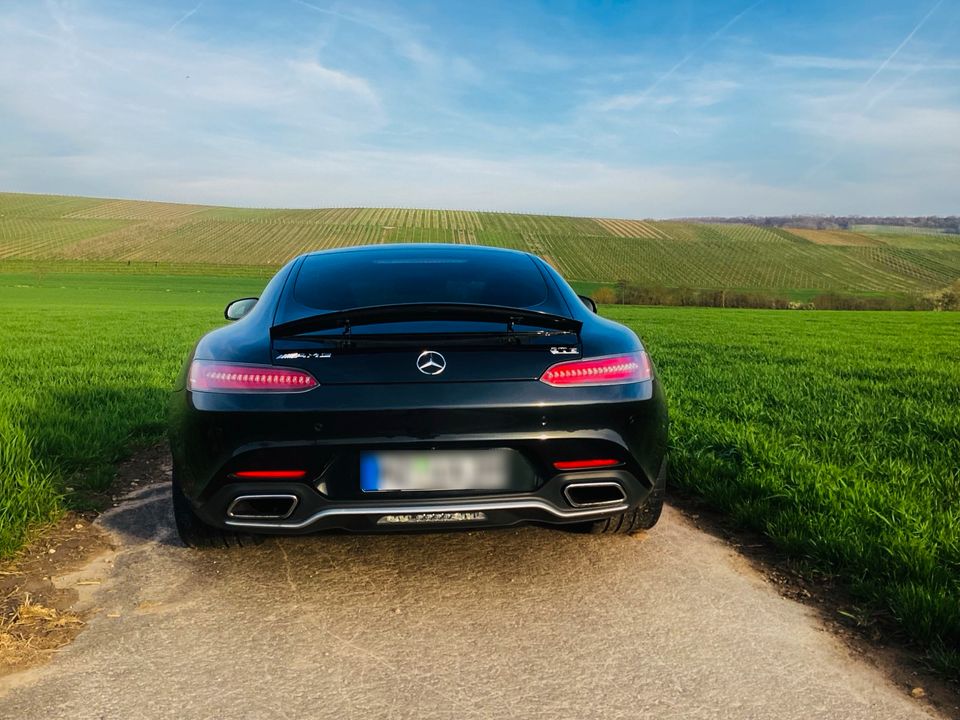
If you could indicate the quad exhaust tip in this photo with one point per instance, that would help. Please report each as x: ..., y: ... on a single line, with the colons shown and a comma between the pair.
x: 593, y: 494
x: 262, y: 507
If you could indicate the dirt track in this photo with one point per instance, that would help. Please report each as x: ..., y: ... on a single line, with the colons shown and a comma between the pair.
x: 517, y: 623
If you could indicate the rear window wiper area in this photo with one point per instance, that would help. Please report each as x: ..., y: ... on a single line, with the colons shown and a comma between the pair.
x: 347, y: 319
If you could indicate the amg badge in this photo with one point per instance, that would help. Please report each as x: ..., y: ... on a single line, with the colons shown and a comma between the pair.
x: 430, y: 517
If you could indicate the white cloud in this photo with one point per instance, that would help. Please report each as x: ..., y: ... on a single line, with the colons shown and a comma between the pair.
x: 845, y: 64
x: 405, y: 38
x: 904, y: 131
x: 325, y: 77
x: 99, y: 106
x: 697, y: 91
x: 629, y: 101
x: 514, y: 53
x: 99, y: 83
x: 256, y: 176
x: 905, y: 134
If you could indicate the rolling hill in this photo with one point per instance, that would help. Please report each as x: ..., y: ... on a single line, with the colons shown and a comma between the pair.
x: 667, y: 253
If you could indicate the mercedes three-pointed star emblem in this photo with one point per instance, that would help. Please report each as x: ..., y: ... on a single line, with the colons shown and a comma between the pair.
x: 431, y: 363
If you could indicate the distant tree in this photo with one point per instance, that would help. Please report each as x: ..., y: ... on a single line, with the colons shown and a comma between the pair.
x: 605, y: 296
x: 621, y: 290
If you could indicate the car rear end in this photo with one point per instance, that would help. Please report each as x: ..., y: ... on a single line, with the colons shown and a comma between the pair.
x: 417, y: 388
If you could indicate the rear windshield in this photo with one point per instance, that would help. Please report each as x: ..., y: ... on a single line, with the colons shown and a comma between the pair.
x: 341, y: 281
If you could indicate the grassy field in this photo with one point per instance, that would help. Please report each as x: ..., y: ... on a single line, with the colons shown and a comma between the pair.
x: 672, y: 254
x: 835, y: 434
x: 86, y: 363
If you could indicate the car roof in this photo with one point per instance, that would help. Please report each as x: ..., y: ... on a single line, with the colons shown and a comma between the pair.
x: 393, y: 249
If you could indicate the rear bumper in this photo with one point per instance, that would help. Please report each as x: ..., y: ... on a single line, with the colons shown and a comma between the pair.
x: 311, y: 512
x: 214, y: 435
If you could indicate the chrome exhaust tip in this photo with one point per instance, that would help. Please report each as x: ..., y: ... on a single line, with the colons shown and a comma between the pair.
x: 262, y: 507
x: 594, y: 494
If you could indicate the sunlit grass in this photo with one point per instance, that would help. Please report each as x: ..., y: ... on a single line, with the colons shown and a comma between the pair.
x: 86, y: 364
x: 837, y: 435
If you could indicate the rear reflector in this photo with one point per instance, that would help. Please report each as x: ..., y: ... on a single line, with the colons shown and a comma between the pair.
x: 270, y: 474
x: 210, y: 376
x: 585, y: 464
x: 611, y: 370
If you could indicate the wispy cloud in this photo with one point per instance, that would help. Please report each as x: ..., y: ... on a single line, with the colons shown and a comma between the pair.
x: 521, y: 56
x: 699, y: 48
x: 172, y: 90
x: 847, y: 64
x: 628, y: 101
x: 695, y: 92
x: 853, y: 117
x: 403, y: 37
x: 326, y: 77
x: 485, y: 105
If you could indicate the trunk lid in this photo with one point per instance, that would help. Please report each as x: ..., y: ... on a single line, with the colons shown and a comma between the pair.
x: 429, y: 351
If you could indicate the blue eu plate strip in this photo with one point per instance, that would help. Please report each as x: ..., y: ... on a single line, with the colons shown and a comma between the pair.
x: 369, y: 472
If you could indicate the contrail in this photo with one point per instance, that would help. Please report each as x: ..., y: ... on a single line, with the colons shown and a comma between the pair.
x: 340, y: 15
x: 685, y: 59
x: 815, y: 170
x: 893, y: 86
x: 900, y: 47
x: 325, y: 11
x: 189, y: 14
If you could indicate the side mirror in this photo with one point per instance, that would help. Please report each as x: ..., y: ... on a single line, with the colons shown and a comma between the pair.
x: 588, y: 301
x: 238, y: 308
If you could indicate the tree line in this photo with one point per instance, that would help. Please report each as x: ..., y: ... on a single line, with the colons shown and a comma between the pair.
x: 631, y: 294
x: 948, y: 223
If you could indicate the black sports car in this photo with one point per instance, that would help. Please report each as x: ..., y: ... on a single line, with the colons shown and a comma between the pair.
x: 422, y: 387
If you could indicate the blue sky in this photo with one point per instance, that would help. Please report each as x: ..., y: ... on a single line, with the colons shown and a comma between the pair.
x: 651, y: 109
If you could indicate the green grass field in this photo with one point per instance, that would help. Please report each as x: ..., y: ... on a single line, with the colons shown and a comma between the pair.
x: 44, y: 228
x: 835, y: 434
x: 85, y: 366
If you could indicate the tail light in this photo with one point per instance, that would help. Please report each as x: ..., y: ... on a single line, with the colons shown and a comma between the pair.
x: 610, y: 370
x: 211, y: 376
x: 270, y: 474
x: 585, y: 464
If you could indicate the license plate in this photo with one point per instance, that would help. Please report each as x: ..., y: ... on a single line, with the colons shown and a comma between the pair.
x: 416, y: 471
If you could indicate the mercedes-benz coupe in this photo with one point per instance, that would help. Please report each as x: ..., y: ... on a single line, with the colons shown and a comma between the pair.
x: 415, y: 387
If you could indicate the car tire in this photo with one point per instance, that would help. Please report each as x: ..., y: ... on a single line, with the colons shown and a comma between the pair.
x: 642, y: 517
x: 195, y: 533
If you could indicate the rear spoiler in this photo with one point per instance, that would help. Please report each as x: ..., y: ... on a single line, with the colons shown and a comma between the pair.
x: 425, y: 311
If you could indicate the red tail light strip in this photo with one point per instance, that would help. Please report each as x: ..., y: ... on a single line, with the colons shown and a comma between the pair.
x: 585, y: 464
x: 207, y: 375
x: 270, y: 474
x: 612, y: 370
